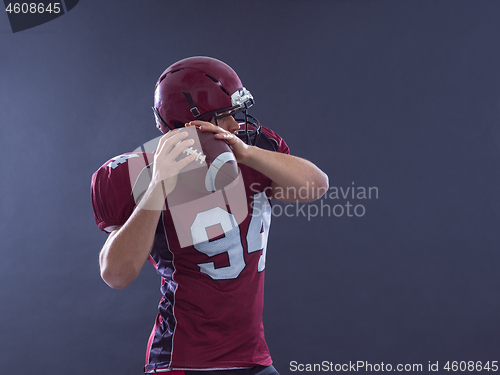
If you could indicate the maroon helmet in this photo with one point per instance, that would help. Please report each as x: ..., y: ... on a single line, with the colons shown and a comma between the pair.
x: 202, y: 88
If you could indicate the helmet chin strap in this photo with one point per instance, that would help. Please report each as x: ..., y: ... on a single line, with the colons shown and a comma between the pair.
x: 192, y: 107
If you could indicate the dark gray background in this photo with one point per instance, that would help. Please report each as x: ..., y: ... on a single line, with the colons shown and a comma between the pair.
x: 399, y: 95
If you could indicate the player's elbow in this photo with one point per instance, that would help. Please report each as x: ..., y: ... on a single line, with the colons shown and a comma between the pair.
x: 117, y: 277
x: 316, y: 185
x: 322, y: 184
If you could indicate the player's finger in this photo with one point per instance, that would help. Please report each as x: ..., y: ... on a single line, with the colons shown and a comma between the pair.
x: 179, y: 148
x: 168, y: 141
x: 225, y: 136
x: 169, y: 135
x: 185, y: 161
x: 196, y: 123
x: 230, y: 139
x: 174, y: 152
x: 206, y: 126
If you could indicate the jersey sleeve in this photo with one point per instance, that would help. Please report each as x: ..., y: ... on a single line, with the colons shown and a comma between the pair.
x: 280, y: 142
x: 111, y: 192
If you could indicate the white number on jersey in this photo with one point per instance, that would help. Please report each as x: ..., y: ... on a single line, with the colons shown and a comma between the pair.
x: 258, y: 231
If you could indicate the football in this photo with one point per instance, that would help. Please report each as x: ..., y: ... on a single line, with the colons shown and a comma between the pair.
x: 215, y: 166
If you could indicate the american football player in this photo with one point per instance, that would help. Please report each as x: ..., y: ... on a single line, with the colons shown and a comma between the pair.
x: 210, y: 315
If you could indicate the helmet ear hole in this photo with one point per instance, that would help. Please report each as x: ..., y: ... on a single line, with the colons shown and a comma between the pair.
x: 178, y: 124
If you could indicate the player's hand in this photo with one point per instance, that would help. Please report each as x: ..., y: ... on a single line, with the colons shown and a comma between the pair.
x: 166, y: 168
x: 240, y: 149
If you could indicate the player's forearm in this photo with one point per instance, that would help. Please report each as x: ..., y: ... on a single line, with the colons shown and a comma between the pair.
x: 289, y: 174
x: 129, y: 246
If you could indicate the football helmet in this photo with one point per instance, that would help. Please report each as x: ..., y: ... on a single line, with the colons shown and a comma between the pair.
x: 202, y: 88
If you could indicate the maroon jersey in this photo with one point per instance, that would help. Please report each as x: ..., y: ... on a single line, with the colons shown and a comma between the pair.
x: 210, y: 315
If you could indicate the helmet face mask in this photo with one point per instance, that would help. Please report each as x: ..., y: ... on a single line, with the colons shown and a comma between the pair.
x: 249, y: 129
x: 203, y: 88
